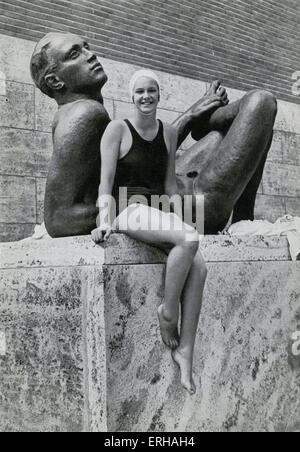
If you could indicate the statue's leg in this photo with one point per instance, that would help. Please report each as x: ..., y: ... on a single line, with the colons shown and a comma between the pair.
x: 231, y: 170
x: 245, y: 206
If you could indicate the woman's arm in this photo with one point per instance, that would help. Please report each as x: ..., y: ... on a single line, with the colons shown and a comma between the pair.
x: 110, y: 151
x: 171, y: 187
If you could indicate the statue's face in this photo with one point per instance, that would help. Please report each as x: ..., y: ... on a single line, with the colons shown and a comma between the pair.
x: 77, y: 66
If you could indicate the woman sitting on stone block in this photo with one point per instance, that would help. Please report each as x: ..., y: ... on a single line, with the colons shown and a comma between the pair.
x: 138, y: 163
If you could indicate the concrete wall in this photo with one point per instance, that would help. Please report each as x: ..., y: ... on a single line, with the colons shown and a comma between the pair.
x: 25, y: 138
x: 80, y: 346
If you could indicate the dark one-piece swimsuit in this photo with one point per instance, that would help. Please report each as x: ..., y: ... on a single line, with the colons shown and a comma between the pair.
x: 143, y: 170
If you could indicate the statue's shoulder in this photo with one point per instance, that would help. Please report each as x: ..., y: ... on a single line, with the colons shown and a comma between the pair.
x: 80, y: 114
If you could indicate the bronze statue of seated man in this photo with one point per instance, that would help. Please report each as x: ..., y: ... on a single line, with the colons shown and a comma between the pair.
x: 225, y: 165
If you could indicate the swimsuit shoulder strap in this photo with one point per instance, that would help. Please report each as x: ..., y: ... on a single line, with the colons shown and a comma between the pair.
x: 133, y: 131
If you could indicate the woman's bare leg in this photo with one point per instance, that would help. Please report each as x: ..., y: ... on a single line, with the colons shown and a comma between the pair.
x: 191, y: 308
x: 184, y: 243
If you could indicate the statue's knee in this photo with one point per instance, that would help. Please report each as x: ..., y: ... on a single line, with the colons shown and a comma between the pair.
x: 262, y: 100
x: 268, y: 99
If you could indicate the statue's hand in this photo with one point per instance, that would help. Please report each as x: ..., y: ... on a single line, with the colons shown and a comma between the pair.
x: 102, y: 233
x: 215, y: 97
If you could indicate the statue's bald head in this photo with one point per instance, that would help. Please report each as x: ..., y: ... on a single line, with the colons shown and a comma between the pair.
x: 41, y: 62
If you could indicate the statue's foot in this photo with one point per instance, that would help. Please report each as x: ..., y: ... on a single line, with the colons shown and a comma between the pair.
x: 168, y: 329
x: 186, y: 369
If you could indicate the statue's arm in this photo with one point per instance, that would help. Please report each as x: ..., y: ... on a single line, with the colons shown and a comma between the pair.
x: 67, y: 212
x: 184, y: 126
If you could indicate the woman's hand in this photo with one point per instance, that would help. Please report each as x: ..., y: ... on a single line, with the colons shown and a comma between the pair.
x: 102, y: 233
x: 215, y: 97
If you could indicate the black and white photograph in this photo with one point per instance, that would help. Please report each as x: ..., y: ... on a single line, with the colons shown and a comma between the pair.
x: 150, y: 218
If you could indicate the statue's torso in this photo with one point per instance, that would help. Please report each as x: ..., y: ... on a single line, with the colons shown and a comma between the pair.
x: 89, y: 135
x: 74, y: 173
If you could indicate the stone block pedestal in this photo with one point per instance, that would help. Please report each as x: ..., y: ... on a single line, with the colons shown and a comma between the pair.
x: 80, y: 347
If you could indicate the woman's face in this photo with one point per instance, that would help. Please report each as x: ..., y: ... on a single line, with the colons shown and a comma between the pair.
x: 146, y: 95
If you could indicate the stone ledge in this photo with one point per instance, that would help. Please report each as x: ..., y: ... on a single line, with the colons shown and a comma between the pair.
x: 81, y: 251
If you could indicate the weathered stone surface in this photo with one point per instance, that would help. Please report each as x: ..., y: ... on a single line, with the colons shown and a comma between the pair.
x: 246, y: 377
x: 281, y: 180
x: 294, y: 421
x: 242, y: 363
x: 13, y: 232
x: 280, y: 139
x: 290, y: 149
x: 17, y: 107
x: 15, y: 54
x: 53, y: 372
x: 288, y: 117
x: 179, y: 93
x: 24, y: 152
x: 292, y: 206
x: 109, y: 105
x: 77, y: 251
x: 42, y: 328
x: 285, y: 148
x: 94, y: 344
x: 119, y: 75
x: 40, y: 196
x: 69, y: 309
x: 135, y: 353
x: 269, y: 208
x: 123, y: 110
x: 120, y: 249
x: 224, y: 248
x: 17, y: 200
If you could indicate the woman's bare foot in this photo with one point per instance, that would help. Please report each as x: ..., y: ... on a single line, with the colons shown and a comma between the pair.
x: 168, y: 329
x: 186, y: 369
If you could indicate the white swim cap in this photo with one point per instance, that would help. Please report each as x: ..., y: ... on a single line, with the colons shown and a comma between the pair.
x: 139, y: 74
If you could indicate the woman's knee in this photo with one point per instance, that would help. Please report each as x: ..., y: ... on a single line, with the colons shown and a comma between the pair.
x: 190, y: 240
x: 200, y: 266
